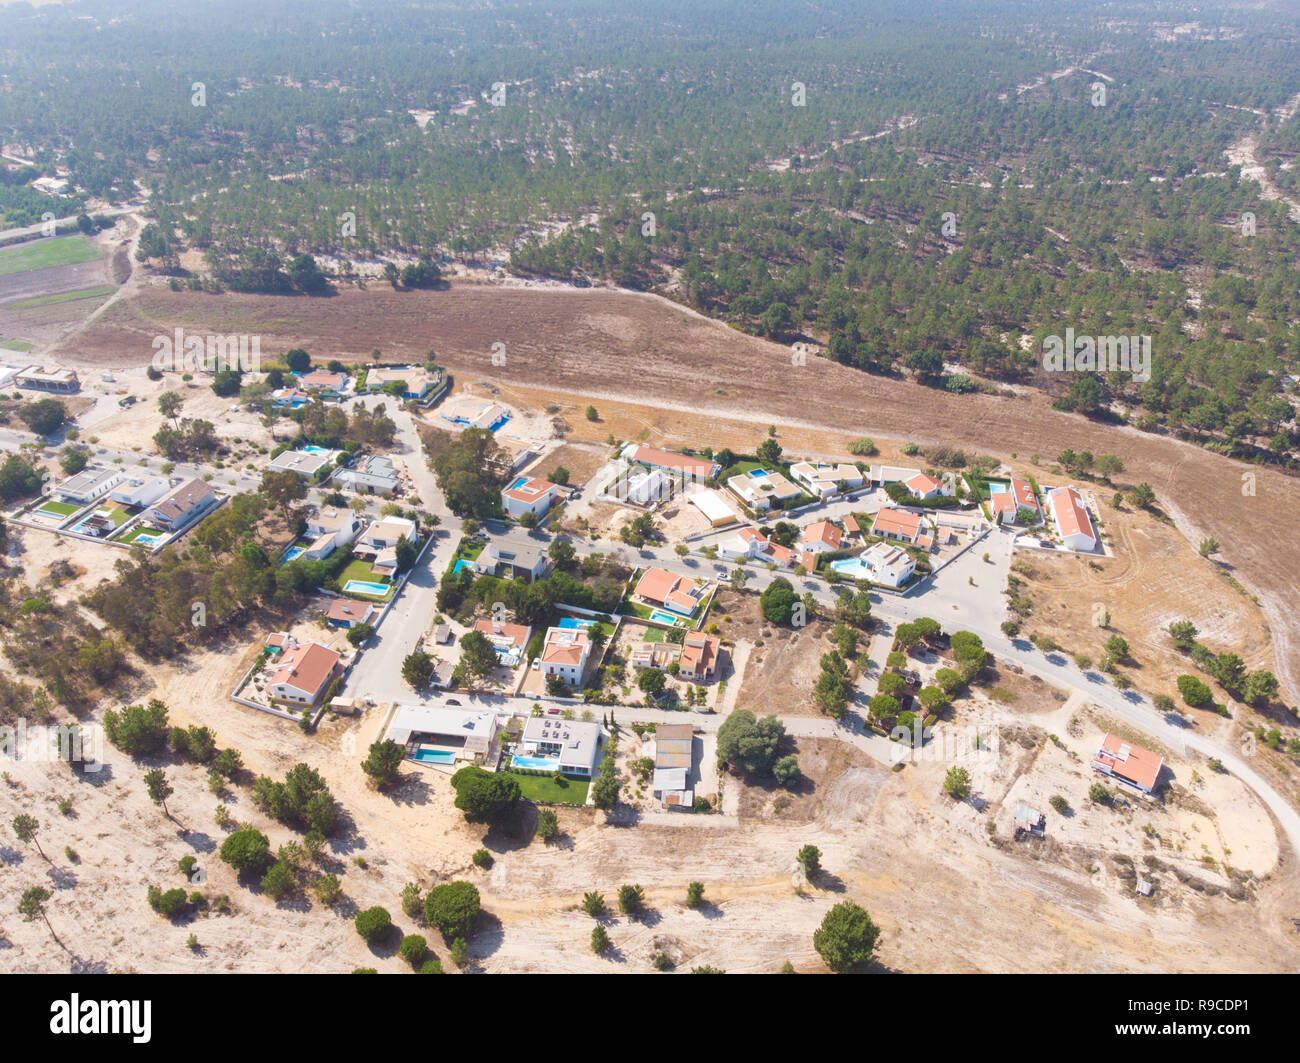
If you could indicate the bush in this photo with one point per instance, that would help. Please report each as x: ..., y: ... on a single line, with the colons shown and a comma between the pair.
x: 593, y: 904
x: 786, y: 771
x: 373, y: 924
x: 246, y: 850
x: 694, y: 894
x: 1099, y: 794
x: 413, y: 949
x: 482, y: 858
x: 1059, y: 803
x: 810, y: 859
x: 956, y: 784
x: 452, y: 908
x: 328, y: 889
x: 600, y: 942
x: 630, y: 899
x: 168, y: 904
x: 846, y: 939
x: 1194, y: 692
x: 433, y: 966
x: 278, y: 881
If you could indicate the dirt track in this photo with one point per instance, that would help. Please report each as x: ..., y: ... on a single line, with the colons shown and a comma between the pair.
x: 615, y: 345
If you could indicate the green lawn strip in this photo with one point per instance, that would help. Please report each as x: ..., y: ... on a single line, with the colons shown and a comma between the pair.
x: 63, y: 251
x: 16, y: 345
x: 62, y: 509
x: 60, y: 297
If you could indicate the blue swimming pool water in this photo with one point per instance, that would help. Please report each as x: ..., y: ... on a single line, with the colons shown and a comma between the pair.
x: 316, y: 450
x: 535, y: 763
x: 434, y: 756
x: 360, y: 586
x: 461, y: 566
x: 294, y: 551
x: 519, y: 482
x: 148, y: 538
x: 757, y: 474
x: 573, y: 621
x: 664, y: 618
x: 851, y: 567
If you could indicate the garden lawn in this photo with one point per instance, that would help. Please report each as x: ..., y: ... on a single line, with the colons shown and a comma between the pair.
x: 543, y: 789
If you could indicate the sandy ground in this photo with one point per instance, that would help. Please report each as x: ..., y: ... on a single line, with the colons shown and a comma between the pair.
x: 854, y: 810
x: 782, y: 665
x: 1154, y: 579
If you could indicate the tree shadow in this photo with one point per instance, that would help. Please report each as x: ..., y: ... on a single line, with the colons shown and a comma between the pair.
x: 62, y: 878
x: 709, y: 910
x: 77, y: 965
x: 386, y: 944
x: 199, y: 841
x: 827, y: 881
x: 10, y: 855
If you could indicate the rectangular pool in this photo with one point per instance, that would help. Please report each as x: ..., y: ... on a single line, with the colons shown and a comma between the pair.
x: 316, y: 450
x: 519, y: 482
x: 434, y: 756
x: 574, y: 622
x: 659, y: 616
x: 851, y: 567
x: 535, y: 763
x: 461, y: 566
x: 360, y: 586
x: 293, y: 552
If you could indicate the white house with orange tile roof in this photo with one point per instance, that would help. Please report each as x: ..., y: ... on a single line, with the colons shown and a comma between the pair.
x: 700, y: 656
x: 752, y: 543
x: 1007, y: 500
x: 527, y: 494
x: 697, y: 468
x: 677, y: 594
x: 1128, y: 763
x: 302, y: 674
x: 565, y: 654
x: 822, y: 537
x: 898, y: 524
x: 923, y: 486
x: 1073, y: 524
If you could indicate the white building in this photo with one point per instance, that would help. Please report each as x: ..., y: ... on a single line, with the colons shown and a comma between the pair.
x: 1073, y: 524
x: 717, y: 511
x: 141, y: 492
x: 823, y: 481
x: 890, y: 565
x: 305, y: 463
x: 527, y: 494
x: 328, y: 529
x: 443, y: 735
x: 574, y: 745
x: 565, y: 654
x: 88, y: 485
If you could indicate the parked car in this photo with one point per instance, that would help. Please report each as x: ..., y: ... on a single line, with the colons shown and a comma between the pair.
x: 554, y: 710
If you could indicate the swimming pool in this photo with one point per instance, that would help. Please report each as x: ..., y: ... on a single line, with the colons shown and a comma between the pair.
x: 461, y: 566
x: 148, y: 538
x: 294, y: 551
x: 519, y: 482
x: 360, y: 586
x: 434, y: 756
x: 316, y: 450
x: 758, y: 474
x: 573, y: 621
x: 535, y: 763
x: 659, y: 616
x: 852, y: 567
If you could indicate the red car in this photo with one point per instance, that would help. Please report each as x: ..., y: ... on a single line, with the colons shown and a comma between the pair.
x: 554, y: 710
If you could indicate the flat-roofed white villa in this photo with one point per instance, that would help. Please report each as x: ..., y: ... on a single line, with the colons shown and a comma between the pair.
x: 443, y: 735
x: 551, y: 743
